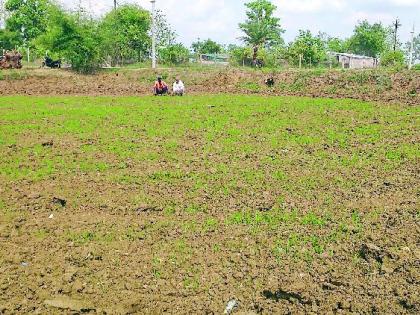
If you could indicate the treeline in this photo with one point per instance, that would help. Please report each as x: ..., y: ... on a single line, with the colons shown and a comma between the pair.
x: 121, y: 36
x: 124, y: 36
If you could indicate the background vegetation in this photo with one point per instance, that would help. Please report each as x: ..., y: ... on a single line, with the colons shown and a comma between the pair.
x: 123, y: 36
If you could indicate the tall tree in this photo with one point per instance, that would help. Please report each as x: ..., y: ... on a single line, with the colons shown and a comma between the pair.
x: 124, y: 33
x: 368, y: 39
x: 165, y: 35
x: 74, y: 38
x: 261, y: 28
x: 28, y: 17
x: 311, y: 48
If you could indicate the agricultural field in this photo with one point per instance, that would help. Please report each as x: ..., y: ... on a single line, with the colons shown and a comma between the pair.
x: 259, y: 204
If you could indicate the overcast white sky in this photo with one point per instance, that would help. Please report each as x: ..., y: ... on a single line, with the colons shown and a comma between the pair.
x: 218, y: 19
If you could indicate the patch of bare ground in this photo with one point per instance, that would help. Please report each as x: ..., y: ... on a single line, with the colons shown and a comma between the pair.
x: 376, y: 85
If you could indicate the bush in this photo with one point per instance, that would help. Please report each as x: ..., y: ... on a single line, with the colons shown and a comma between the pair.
x: 392, y: 58
x: 240, y: 56
x: 74, y: 39
x: 174, y: 54
x: 416, y: 67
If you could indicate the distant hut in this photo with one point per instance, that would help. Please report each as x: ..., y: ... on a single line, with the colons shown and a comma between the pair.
x: 211, y: 59
x: 351, y: 61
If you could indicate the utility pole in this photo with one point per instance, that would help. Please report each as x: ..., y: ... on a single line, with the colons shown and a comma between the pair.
x: 410, y: 61
x: 115, y: 4
x: 79, y: 11
x: 2, y: 15
x: 396, y: 26
x: 153, y: 34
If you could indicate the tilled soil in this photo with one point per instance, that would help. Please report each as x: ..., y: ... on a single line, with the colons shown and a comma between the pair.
x: 378, y: 85
x: 182, y: 205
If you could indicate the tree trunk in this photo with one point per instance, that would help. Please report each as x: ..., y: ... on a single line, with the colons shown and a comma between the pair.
x: 254, y: 56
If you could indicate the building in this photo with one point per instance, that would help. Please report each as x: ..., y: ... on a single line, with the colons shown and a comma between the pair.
x: 351, y: 61
x: 214, y: 59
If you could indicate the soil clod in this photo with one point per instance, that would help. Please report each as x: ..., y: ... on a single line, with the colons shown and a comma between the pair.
x: 370, y: 251
x: 49, y: 143
x: 64, y: 302
x: 284, y: 295
x: 60, y: 201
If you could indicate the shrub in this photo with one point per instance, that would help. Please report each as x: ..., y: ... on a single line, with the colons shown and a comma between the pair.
x: 392, y: 58
x: 174, y: 54
x: 75, y: 39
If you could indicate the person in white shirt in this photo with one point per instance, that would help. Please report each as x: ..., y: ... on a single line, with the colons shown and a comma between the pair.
x: 178, y: 87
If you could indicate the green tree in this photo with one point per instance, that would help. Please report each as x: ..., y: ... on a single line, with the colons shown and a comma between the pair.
x: 206, y: 47
x: 124, y: 34
x: 28, y: 18
x: 261, y: 28
x: 73, y: 38
x: 335, y: 44
x: 165, y: 35
x: 368, y: 39
x: 311, y: 48
x: 9, y: 40
x: 240, y: 56
x: 174, y: 54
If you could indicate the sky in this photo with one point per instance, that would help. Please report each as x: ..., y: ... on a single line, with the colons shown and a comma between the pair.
x: 219, y: 19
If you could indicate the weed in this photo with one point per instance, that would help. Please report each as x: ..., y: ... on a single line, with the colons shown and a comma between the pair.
x: 156, y: 267
x: 312, y: 219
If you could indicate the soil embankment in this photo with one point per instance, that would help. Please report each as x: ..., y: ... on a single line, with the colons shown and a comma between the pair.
x: 372, y: 85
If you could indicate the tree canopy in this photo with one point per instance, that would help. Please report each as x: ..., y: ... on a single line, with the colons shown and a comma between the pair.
x: 368, y: 39
x: 311, y: 48
x: 207, y: 46
x: 261, y: 28
x: 73, y: 38
x: 124, y: 33
x: 28, y: 18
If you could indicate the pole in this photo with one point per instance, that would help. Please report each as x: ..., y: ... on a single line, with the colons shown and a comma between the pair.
x: 396, y: 26
x: 2, y: 15
x: 115, y: 4
x: 410, y: 62
x: 300, y: 61
x: 153, y: 35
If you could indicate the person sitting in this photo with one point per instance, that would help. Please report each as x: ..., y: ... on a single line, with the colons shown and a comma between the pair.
x: 160, y: 87
x: 178, y: 87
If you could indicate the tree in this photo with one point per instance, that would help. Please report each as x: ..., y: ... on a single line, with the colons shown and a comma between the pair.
x: 174, y: 54
x: 261, y: 28
x: 206, y: 47
x: 165, y: 35
x: 240, y: 55
x: 9, y: 40
x: 124, y: 33
x: 311, y: 48
x: 335, y: 44
x: 73, y: 38
x: 368, y: 39
x: 28, y: 18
